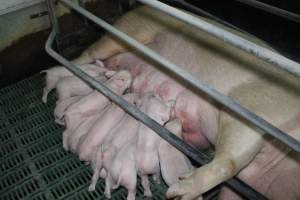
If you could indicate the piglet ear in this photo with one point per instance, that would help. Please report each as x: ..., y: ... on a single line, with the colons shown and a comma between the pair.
x: 99, y: 63
x: 175, y: 127
x: 110, y: 73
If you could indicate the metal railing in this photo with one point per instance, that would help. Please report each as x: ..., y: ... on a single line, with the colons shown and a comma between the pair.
x: 196, y: 155
x: 230, y: 38
x: 271, y: 9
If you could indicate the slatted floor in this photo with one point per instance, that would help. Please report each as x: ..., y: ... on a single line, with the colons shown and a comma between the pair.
x: 33, y: 164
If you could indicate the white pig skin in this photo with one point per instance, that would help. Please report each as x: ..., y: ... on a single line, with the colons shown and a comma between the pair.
x: 54, y: 74
x: 172, y: 162
x: 96, y: 101
x: 101, y: 129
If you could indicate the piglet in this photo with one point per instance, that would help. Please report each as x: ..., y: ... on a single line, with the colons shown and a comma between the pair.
x: 172, y: 162
x: 95, y: 101
x: 61, y: 107
x: 71, y: 138
x: 122, y: 134
x: 101, y: 129
x: 54, y: 74
x: 147, y: 160
x: 123, y: 170
x: 73, y: 86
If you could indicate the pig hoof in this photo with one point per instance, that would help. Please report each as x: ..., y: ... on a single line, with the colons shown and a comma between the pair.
x: 107, y: 194
x: 60, y: 122
x: 147, y: 193
x: 65, y: 146
x: 44, y: 99
x: 114, y: 187
x: 92, y: 188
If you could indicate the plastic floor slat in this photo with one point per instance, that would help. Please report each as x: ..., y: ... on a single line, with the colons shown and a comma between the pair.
x: 33, y: 164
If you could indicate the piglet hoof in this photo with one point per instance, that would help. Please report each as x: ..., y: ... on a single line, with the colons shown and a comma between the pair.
x: 65, y: 146
x: 131, y: 195
x: 92, y: 188
x: 60, y: 122
x: 107, y: 194
x: 147, y: 193
x: 87, y: 162
x: 44, y: 99
x: 115, y: 186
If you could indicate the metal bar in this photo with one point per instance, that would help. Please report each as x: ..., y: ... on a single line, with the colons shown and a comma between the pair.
x: 263, y: 125
x: 199, y: 157
x: 53, y: 19
x: 51, y: 13
x: 202, y: 12
x: 199, y: 11
x: 267, y: 55
x: 271, y: 9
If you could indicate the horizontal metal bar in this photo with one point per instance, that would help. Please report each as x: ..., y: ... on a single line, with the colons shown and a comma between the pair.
x: 271, y: 9
x: 198, y: 156
x: 202, y: 12
x: 263, y: 125
x: 267, y: 55
x: 198, y: 11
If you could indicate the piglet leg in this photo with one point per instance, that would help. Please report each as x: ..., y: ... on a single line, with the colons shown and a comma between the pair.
x: 108, y: 186
x: 146, y: 186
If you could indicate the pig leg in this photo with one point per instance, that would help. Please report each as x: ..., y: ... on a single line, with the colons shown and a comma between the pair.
x: 51, y: 81
x: 98, y: 170
x: 146, y: 186
x: 131, y: 194
x: 108, y: 186
x: 234, y: 150
x: 66, y: 135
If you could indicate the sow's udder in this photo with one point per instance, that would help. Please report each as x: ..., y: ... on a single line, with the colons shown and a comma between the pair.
x: 147, y: 78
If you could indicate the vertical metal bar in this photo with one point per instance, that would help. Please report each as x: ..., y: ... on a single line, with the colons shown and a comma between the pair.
x: 267, y: 55
x: 201, y: 158
x: 53, y: 19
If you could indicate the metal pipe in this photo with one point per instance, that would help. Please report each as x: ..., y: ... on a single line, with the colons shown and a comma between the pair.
x: 267, y: 55
x: 199, y: 157
x: 271, y: 9
x: 53, y: 19
x: 199, y: 11
x: 263, y: 125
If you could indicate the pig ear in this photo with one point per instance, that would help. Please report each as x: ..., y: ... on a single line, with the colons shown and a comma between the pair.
x: 173, y: 163
x: 175, y: 127
x: 99, y: 63
x: 109, y: 73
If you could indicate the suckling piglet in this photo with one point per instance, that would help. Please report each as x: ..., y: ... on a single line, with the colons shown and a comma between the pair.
x: 172, y: 162
x: 73, y: 86
x: 101, y: 129
x: 61, y: 107
x: 122, y: 134
x: 72, y: 137
x: 95, y: 101
x: 147, y: 160
x: 123, y: 170
x: 54, y: 74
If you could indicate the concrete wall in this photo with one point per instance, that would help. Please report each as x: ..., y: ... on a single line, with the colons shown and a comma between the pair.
x: 19, y: 18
